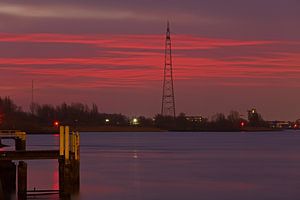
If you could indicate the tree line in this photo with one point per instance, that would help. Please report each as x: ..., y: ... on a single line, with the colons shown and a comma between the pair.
x: 77, y: 114
x: 219, y: 122
x: 40, y: 116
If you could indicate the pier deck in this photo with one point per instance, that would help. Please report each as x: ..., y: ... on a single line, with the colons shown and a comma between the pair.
x: 6, y: 134
x: 14, y: 174
x: 29, y: 155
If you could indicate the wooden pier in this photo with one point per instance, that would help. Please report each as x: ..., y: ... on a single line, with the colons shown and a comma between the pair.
x: 29, y: 155
x: 68, y: 157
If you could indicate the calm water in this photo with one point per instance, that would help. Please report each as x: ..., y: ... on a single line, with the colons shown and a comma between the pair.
x: 176, y: 166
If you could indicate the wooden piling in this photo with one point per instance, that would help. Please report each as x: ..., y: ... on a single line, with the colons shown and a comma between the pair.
x: 76, y: 176
x: 1, y: 191
x: 68, y: 178
x: 61, y: 176
x: 68, y: 157
x: 20, y: 141
x: 76, y: 164
x: 8, y: 178
x: 67, y: 143
x: 72, y: 141
x: 61, y: 141
x: 77, y: 146
x: 22, y: 180
x: 69, y: 167
x: 66, y: 183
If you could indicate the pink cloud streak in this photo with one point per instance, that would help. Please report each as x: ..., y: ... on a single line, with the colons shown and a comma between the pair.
x: 183, y: 42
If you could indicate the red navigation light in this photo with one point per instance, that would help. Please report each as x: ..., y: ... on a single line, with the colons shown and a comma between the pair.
x: 242, y: 124
x: 295, y: 126
x: 56, y: 123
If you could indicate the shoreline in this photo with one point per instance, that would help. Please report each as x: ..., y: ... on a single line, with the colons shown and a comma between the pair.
x: 101, y: 129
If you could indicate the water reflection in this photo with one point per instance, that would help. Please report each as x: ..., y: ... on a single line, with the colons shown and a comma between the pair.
x: 13, y: 177
x: 55, y: 180
x: 55, y: 177
x: 136, y: 175
x: 210, y: 166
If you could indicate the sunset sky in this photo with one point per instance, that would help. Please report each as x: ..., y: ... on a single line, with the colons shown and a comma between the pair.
x: 228, y: 55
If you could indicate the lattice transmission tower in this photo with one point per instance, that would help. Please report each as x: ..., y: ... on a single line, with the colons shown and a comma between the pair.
x: 168, y: 98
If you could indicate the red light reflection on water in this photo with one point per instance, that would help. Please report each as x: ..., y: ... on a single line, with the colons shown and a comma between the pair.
x: 55, y: 177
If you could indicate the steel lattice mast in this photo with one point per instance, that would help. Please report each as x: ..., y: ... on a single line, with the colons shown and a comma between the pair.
x: 168, y: 98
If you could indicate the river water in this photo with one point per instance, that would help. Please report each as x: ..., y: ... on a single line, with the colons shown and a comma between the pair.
x: 177, y: 166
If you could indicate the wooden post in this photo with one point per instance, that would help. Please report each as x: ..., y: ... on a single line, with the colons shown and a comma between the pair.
x: 22, y: 180
x: 72, y: 141
x: 20, y: 141
x: 65, y: 183
x: 76, y: 176
x: 61, y: 140
x: 61, y: 164
x: 1, y: 191
x: 68, y: 178
x: 69, y: 172
x: 67, y: 143
x: 76, y: 165
x: 77, y: 146
x: 8, y: 178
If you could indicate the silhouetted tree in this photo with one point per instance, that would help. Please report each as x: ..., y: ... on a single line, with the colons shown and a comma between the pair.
x: 81, y: 115
x: 12, y: 115
x: 220, y: 122
x: 164, y: 122
x: 145, y: 122
x: 182, y: 123
x: 255, y: 119
x: 234, y: 119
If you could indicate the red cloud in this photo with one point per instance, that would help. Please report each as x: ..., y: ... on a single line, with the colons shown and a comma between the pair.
x: 136, y: 60
x: 183, y: 42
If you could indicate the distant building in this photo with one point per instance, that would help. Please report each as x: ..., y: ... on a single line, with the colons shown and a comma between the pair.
x: 281, y: 124
x: 195, y: 119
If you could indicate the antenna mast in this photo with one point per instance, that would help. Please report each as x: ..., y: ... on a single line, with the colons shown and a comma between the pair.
x: 32, y: 99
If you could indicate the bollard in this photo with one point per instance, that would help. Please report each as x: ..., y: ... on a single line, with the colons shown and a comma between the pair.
x: 61, y: 140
